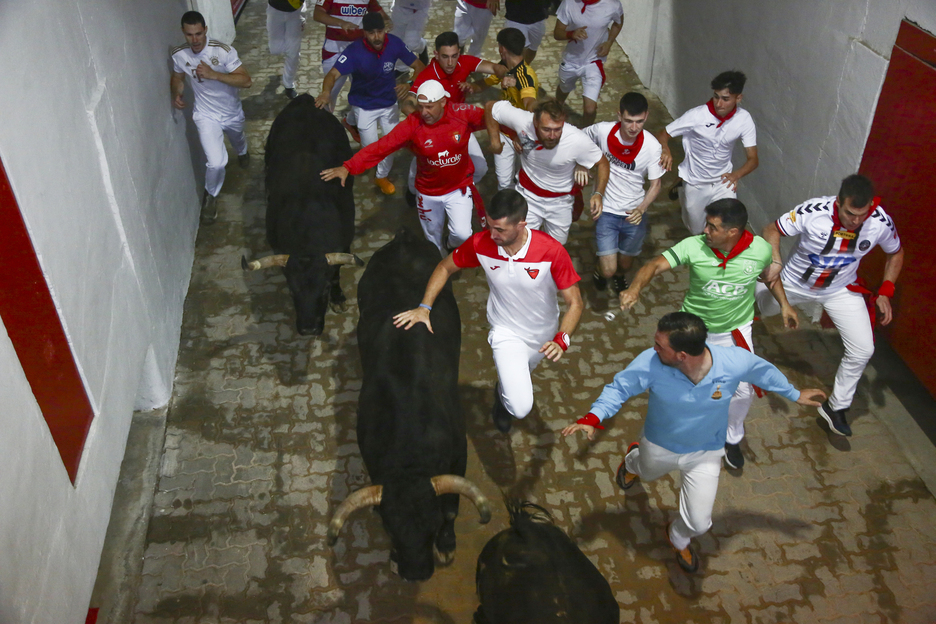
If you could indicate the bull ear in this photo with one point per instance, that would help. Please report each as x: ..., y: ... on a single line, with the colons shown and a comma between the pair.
x: 265, y: 262
x: 343, y: 258
x: 365, y: 497
x: 453, y: 484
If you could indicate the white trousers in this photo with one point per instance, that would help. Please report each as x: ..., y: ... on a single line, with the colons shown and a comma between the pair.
x: 477, y: 159
x: 472, y: 23
x: 433, y: 209
x: 327, y: 64
x: 695, y: 197
x: 284, y: 34
x: 533, y: 33
x: 367, y: 122
x: 505, y: 164
x: 850, y: 316
x: 409, y: 25
x: 554, y: 214
x: 211, y: 133
x: 590, y: 75
x: 743, y: 397
x: 698, y: 472
x: 515, y: 359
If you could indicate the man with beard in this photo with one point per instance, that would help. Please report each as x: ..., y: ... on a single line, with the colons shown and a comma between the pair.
x: 524, y: 270
x: 549, y: 151
x: 438, y: 135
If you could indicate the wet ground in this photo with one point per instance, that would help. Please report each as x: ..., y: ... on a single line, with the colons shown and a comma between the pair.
x: 260, y: 443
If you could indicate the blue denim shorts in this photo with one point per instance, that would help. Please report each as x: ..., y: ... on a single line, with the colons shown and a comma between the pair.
x: 614, y: 234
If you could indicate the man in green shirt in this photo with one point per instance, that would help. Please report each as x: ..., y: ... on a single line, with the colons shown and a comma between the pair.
x: 725, y: 262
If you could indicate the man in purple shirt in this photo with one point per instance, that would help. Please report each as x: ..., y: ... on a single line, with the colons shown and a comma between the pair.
x: 374, y: 92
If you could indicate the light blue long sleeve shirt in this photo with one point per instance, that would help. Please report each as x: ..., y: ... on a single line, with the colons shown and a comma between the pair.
x: 683, y: 417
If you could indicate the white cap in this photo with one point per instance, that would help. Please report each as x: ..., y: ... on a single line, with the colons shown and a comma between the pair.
x: 431, y: 91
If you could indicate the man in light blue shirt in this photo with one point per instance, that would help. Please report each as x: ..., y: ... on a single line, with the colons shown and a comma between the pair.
x: 691, y: 384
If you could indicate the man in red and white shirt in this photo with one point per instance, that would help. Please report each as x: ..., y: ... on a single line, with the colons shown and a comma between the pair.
x: 438, y: 136
x: 342, y: 19
x: 633, y: 154
x: 472, y: 21
x: 524, y: 270
x: 835, y: 234
x: 451, y: 69
x: 549, y: 150
x: 709, y: 134
x: 590, y: 27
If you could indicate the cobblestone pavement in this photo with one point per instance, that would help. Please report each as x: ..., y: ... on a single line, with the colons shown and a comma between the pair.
x: 261, y: 445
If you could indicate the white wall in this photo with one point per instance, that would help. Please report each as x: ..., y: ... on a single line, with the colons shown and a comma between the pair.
x: 102, y: 171
x: 815, y: 71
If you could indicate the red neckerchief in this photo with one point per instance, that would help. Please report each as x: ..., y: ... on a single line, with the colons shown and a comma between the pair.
x: 372, y: 49
x: 625, y: 153
x: 837, y: 225
x: 721, y: 120
x: 588, y: 3
x: 743, y: 243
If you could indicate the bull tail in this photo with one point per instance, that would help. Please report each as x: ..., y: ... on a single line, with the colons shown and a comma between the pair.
x: 525, y: 510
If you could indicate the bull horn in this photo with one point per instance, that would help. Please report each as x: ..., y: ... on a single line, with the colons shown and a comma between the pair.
x: 365, y: 497
x: 264, y: 263
x: 453, y: 484
x: 343, y: 258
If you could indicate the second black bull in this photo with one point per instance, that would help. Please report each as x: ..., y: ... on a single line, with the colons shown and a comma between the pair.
x: 309, y: 223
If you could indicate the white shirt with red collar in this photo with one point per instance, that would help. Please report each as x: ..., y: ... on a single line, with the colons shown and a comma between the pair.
x: 827, y: 256
x: 708, y: 141
x: 523, y: 286
x: 548, y: 169
x: 630, y: 164
x: 596, y: 17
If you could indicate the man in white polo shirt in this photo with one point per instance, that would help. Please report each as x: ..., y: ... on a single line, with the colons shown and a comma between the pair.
x: 634, y: 154
x: 590, y: 27
x: 709, y: 133
x: 215, y: 73
x: 524, y: 270
x: 549, y: 150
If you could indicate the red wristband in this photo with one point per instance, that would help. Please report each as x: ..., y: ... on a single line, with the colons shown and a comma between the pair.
x: 562, y: 339
x: 570, y: 34
x: 887, y: 289
x: 589, y: 419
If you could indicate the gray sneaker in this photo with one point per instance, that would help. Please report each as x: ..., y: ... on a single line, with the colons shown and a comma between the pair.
x: 733, y: 457
x: 835, y: 418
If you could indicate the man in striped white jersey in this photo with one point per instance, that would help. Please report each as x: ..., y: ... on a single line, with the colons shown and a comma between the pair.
x: 836, y: 232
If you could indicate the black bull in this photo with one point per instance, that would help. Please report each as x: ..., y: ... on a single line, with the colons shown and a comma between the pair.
x: 410, y: 426
x: 309, y: 223
x: 532, y: 573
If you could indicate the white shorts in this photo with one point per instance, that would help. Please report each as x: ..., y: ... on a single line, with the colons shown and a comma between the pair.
x: 695, y: 197
x: 554, y: 214
x: 592, y: 75
x: 409, y: 25
x: 284, y: 35
x: 533, y: 33
x: 211, y: 134
x: 367, y: 122
x: 699, y: 472
x: 433, y: 210
x: 744, y: 395
x: 849, y: 313
x: 515, y: 359
x: 472, y: 23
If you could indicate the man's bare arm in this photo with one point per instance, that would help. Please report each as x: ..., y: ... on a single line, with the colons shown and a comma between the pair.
x: 176, y: 88
x: 238, y: 78
x: 731, y: 178
x: 493, y: 128
x: 666, y: 158
x: 573, y: 299
x: 437, y: 281
x: 646, y: 273
x: 891, y: 272
x: 772, y: 235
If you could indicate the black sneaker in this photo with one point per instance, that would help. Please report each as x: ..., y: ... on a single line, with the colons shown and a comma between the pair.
x: 619, y: 284
x: 290, y: 93
x: 499, y: 413
x: 733, y: 457
x: 835, y: 418
x: 209, y: 208
x: 243, y: 160
x: 674, y: 191
x: 410, y: 198
x: 599, y: 280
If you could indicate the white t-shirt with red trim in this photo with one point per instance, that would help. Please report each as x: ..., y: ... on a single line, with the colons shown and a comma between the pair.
x: 826, y: 258
x: 708, y: 143
x: 524, y: 286
x: 597, y: 18
x: 625, y: 189
x: 552, y: 169
x: 336, y: 38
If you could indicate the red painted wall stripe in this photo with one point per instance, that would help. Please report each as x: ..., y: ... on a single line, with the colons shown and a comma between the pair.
x: 34, y: 327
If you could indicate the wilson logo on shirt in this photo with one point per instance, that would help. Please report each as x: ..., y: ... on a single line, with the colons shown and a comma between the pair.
x: 725, y: 290
x: 532, y: 272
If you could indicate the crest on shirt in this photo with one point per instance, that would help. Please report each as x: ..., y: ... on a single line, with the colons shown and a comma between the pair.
x: 214, y: 60
x: 717, y: 394
x: 532, y: 272
x: 387, y: 67
x: 749, y: 267
x: 457, y: 136
x: 863, y: 245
